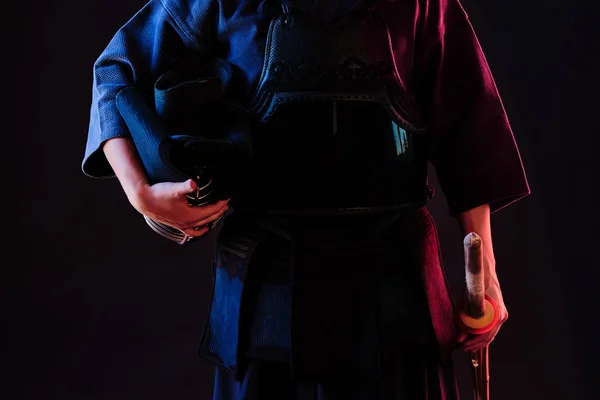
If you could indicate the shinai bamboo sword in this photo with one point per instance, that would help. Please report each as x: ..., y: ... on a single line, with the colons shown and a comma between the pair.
x: 477, y: 313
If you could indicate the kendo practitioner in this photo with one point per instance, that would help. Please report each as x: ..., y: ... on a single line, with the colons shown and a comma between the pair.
x: 327, y: 275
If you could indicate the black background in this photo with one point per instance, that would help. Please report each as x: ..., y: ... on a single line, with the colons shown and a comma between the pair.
x: 99, y: 307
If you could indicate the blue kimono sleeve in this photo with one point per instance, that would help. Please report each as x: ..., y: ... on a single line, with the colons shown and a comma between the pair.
x: 473, y: 149
x: 139, y: 52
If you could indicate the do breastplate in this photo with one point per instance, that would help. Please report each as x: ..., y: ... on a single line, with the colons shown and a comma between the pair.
x: 333, y: 132
x: 309, y: 61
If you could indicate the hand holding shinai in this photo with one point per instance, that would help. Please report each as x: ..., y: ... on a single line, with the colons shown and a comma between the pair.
x: 478, y: 313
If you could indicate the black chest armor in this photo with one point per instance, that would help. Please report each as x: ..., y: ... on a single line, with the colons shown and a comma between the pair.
x: 333, y: 132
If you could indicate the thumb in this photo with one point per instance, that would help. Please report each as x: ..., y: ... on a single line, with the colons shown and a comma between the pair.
x: 462, y: 336
x: 184, y: 188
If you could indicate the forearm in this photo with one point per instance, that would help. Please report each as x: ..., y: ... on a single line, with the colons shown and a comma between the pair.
x: 125, y: 162
x: 478, y: 220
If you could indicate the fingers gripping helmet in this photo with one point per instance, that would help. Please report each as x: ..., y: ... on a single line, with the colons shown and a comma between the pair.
x: 194, y: 130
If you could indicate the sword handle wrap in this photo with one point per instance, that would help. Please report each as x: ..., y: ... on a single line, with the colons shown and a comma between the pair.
x: 477, y: 312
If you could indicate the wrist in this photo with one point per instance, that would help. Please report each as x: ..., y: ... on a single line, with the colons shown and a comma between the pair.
x: 136, y: 193
x: 124, y: 160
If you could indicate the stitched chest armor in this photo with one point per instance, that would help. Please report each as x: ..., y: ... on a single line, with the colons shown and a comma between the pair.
x: 308, y: 61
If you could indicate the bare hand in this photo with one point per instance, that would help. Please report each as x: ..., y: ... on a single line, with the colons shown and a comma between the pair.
x: 166, y: 203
